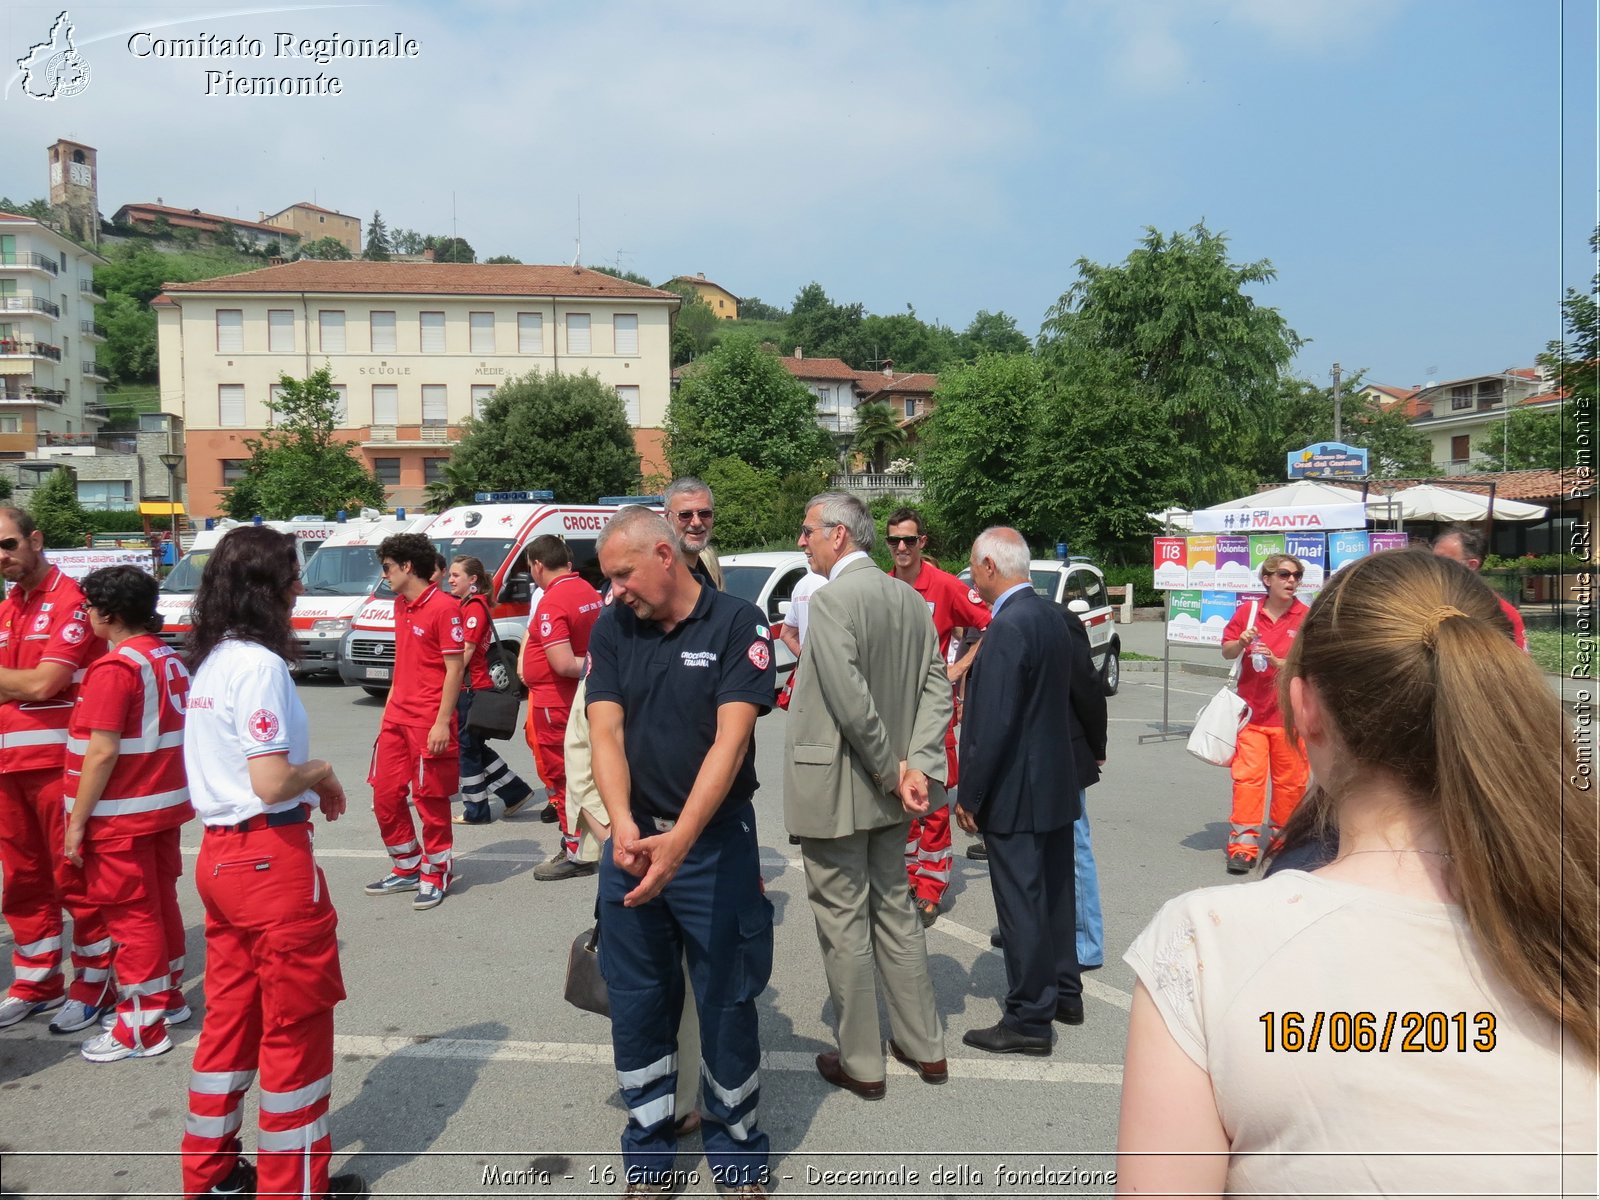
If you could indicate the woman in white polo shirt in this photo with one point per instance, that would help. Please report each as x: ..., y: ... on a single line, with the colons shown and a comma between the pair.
x: 272, y: 954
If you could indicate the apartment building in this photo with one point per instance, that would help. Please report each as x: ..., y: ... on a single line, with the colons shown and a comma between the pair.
x: 311, y: 222
x: 414, y: 349
x: 50, y: 377
x: 1457, y: 414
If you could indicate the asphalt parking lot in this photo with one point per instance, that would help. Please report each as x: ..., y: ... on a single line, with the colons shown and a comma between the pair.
x: 461, y: 1071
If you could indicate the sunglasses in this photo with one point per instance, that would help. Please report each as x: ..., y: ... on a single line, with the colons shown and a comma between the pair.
x: 896, y: 539
x: 807, y: 530
x: 10, y: 544
x: 688, y: 514
x: 1286, y: 574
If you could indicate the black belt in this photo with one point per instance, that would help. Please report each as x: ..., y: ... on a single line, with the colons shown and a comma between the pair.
x: 297, y: 815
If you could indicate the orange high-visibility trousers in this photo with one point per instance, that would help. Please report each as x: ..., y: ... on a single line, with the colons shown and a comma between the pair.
x: 1264, y: 750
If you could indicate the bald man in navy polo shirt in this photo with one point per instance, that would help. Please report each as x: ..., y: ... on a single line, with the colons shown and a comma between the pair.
x: 678, y: 674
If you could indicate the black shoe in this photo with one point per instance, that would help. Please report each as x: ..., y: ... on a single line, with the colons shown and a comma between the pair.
x: 996, y: 940
x: 793, y: 841
x: 978, y: 852
x: 241, y: 1181
x: 1240, y: 864
x: 549, y: 815
x: 347, y: 1187
x: 1002, y: 1039
x: 1070, y: 1012
x: 562, y: 868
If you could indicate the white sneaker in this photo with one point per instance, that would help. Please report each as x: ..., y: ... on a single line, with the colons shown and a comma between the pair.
x: 175, y: 1016
x: 104, y: 1048
x: 429, y: 895
x: 76, y: 1015
x: 15, y: 1008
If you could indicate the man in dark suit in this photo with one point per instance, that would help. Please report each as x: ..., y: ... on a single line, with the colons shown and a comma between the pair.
x: 1019, y: 788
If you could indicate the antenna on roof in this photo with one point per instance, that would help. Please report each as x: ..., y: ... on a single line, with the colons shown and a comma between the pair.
x: 577, y: 256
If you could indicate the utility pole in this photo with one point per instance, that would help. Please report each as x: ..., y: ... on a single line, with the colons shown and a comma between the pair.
x: 1338, y: 424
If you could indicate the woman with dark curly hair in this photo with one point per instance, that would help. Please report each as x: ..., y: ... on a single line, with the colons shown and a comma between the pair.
x: 482, y: 770
x: 272, y: 953
x: 126, y: 800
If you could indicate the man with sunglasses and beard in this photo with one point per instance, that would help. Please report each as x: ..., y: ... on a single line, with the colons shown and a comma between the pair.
x: 691, y: 513
x: 1263, y: 631
x: 45, y: 643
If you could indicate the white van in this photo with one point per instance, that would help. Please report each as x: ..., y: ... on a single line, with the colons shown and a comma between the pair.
x: 337, y: 580
x: 179, y: 587
x: 496, y: 533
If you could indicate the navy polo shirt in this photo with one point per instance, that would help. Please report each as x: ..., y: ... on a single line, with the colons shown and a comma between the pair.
x: 670, y: 686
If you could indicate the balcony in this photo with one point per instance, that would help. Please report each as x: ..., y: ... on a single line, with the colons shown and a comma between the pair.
x: 29, y: 304
x: 837, y: 422
x: 86, y: 288
x: 872, y: 486
x: 29, y: 261
x: 434, y: 433
x: 92, y: 329
x: 34, y: 395
x: 381, y: 433
x: 103, y: 443
x: 93, y: 370
x: 1465, y: 466
x: 26, y: 348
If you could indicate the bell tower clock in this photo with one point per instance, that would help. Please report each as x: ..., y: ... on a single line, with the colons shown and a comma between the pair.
x: 74, y: 189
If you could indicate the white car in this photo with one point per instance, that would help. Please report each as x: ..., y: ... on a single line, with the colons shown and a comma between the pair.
x: 767, y: 580
x: 1080, y: 586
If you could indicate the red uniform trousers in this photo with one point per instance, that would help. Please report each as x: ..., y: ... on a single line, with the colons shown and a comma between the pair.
x: 401, y: 765
x: 39, y: 882
x: 134, y: 880
x: 272, y: 979
x: 548, y: 735
x: 1264, y: 750
x: 928, y: 857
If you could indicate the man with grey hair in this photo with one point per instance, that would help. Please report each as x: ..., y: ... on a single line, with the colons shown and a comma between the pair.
x: 691, y: 513
x: 865, y: 751
x: 678, y: 674
x: 1016, y: 770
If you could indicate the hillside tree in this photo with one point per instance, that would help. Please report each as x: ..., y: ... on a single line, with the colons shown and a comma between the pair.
x: 328, y: 248
x: 377, y: 247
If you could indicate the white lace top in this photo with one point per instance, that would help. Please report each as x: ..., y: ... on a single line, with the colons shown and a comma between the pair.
x: 1247, y: 977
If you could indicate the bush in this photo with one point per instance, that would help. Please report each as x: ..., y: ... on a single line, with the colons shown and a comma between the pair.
x: 1143, y: 579
x: 56, y: 511
x: 747, y: 503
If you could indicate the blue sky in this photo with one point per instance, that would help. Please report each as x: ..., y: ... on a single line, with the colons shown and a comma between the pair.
x: 1400, y: 162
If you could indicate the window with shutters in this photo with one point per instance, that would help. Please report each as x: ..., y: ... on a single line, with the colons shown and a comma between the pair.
x: 230, y: 330
x: 274, y: 401
x: 10, y: 424
x: 341, y: 404
x: 433, y: 469
x: 383, y: 338
x: 230, y: 405
x: 482, y: 327
x: 387, y: 471
x: 432, y: 328
x: 280, y: 331
x: 233, y: 470
x: 629, y: 395
x: 577, y: 333
x: 434, y: 406
x: 385, y: 404
x: 530, y: 333
x: 911, y: 406
x: 626, y: 326
x: 480, y: 396
x: 330, y: 331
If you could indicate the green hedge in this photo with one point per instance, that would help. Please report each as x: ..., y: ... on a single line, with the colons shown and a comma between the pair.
x: 1143, y: 579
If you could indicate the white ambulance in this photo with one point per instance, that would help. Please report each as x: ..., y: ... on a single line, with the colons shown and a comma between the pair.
x: 179, y: 587
x: 495, y: 531
x: 337, y: 581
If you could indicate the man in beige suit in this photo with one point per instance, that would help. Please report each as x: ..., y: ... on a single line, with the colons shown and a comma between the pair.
x: 865, y: 750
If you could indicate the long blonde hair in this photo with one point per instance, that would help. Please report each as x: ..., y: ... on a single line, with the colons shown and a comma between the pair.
x: 1409, y: 654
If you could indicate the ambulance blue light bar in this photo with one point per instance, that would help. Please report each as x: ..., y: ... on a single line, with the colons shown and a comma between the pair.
x: 513, y: 497
x: 620, y: 501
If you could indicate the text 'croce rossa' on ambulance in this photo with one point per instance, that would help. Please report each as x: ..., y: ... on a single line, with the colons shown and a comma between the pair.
x: 496, y: 530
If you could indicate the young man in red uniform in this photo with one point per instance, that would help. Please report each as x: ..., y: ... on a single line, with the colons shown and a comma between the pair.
x: 1263, y: 631
x: 127, y: 797
x: 955, y: 607
x: 1466, y: 544
x: 552, y: 661
x: 417, y: 752
x: 45, y: 641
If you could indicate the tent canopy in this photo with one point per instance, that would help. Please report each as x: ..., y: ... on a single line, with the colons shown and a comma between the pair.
x: 1431, y: 502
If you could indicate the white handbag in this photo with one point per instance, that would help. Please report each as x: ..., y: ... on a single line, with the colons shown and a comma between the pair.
x: 1215, y: 737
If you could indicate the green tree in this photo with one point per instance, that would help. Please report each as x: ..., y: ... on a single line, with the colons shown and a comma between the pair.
x: 377, y: 247
x: 1302, y: 413
x: 134, y: 276
x: 747, y: 505
x: 907, y: 341
x: 739, y: 402
x: 823, y: 329
x: 39, y: 210
x: 504, y: 259
x: 406, y: 241
x: 877, y: 432
x: 56, y: 511
x: 753, y: 309
x: 695, y: 328
x: 1574, y: 362
x: 619, y: 273
x: 1531, y: 440
x: 451, y: 250
x: 325, y: 248
x: 298, y: 465
x: 981, y: 445
x: 1177, y: 311
x: 568, y: 433
x: 991, y: 333
x: 129, y: 352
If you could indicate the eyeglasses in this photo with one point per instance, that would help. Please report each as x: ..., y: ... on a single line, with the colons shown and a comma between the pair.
x: 896, y: 539
x: 807, y: 530
x: 10, y: 544
x: 685, y: 515
x: 1286, y: 574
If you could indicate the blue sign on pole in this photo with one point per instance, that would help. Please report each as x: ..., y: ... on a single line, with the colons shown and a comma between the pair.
x: 1328, y: 460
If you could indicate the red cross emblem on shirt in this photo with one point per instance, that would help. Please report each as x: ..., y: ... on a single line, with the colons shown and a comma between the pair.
x: 263, y: 725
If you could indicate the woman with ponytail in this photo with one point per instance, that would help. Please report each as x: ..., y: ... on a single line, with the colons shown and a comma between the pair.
x: 1420, y: 1015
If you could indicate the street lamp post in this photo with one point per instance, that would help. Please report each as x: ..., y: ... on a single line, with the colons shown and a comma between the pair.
x: 171, y: 461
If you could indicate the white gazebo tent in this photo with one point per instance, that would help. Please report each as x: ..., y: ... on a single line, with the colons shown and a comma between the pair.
x: 1301, y: 493
x: 1431, y: 502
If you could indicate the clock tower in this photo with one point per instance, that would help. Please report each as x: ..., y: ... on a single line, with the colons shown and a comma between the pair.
x: 74, y: 189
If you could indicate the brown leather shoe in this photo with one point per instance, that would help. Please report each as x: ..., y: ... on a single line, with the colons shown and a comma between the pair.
x: 831, y: 1069
x: 931, y: 1072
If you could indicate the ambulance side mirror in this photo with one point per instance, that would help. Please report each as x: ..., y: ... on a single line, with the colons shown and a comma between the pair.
x: 1079, y: 606
x: 518, y: 589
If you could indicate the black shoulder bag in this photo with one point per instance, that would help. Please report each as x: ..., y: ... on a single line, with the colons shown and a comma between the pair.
x: 493, y: 713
